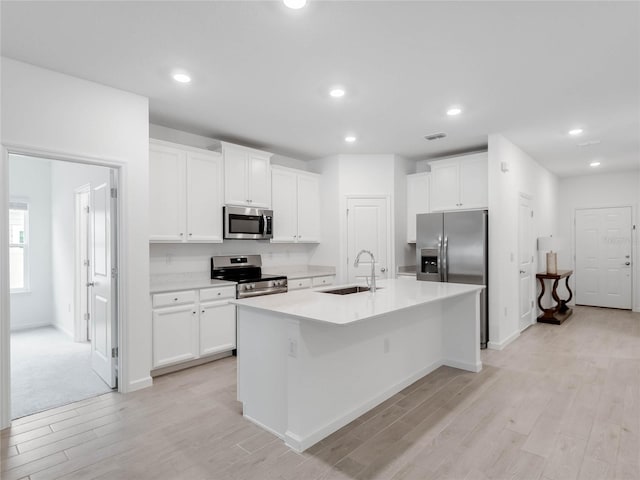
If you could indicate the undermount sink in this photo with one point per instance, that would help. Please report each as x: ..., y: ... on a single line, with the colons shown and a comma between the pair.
x: 348, y: 290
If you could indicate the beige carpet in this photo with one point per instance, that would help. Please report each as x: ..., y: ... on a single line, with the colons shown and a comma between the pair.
x: 49, y: 369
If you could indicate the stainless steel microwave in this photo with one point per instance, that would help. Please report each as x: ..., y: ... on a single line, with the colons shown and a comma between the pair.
x: 247, y: 223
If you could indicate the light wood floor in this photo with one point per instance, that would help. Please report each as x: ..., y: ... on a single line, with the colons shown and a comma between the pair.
x: 561, y: 402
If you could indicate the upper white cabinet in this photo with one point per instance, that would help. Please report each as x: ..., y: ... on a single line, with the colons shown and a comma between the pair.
x: 296, y: 206
x: 247, y: 179
x: 459, y: 183
x: 418, y: 187
x: 185, y: 193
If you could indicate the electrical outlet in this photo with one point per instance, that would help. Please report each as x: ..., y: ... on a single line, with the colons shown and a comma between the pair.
x: 293, y: 348
x: 386, y: 345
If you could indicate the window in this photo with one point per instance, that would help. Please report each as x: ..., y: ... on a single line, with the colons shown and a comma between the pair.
x: 18, y: 246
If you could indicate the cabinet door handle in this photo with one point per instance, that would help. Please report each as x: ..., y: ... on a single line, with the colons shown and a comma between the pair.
x: 190, y: 234
x: 182, y: 234
x: 175, y: 299
x: 194, y: 312
x: 219, y: 293
x: 202, y: 311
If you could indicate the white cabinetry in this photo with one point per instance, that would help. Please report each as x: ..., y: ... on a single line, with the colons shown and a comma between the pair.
x: 247, y: 179
x: 459, y: 183
x: 185, y: 194
x: 175, y: 334
x: 192, y: 324
x: 296, y: 206
x: 418, y: 186
x: 302, y: 283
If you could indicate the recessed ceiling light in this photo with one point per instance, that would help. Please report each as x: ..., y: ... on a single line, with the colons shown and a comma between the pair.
x: 349, y: 139
x: 575, y: 132
x: 594, y: 164
x: 454, y: 111
x: 337, y: 92
x: 295, y: 4
x: 181, y: 77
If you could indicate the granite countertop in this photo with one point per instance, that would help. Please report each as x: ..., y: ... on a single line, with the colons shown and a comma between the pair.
x: 393, y: 295
x: 184, y: 281
x: 300, y: 271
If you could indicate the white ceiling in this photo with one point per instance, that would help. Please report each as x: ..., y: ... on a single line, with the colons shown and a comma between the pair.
x: 261, y: 72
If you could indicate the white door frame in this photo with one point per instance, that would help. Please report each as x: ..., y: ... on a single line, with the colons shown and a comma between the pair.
x: 5, y: 314
x: 391, y: 256
x: 80, y: 333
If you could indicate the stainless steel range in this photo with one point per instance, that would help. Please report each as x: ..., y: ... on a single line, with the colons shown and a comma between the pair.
x: 246, y: 270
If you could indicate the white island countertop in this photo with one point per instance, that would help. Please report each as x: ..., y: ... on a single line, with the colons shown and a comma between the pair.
x: 394, y: 295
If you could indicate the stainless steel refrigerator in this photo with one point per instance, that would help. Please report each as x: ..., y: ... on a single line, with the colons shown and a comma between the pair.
x: 453, y: 247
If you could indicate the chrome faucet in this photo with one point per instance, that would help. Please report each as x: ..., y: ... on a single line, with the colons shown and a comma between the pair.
x: 372, y: 286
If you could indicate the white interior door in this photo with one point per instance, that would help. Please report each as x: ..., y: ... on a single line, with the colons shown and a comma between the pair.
x: 525, y: 262
x: 83, y: 268
x: 102, y: 299
x: 603, y: 257
x: 367, y: 229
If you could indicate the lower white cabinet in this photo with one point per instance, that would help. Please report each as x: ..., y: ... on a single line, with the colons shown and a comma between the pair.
x: 205, y: 324
x: 217, y: 327
x: 175, y: 335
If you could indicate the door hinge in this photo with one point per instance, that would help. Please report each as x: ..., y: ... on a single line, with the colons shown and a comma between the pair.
x: 347, y: 212
x: 85, y: 263
x: 531, y: 213
x: 114, y: 352
x: 531, y: 303
x: 114, y: 272
x: 634, y: 227
x: 86, y: 316
x: 87, y: 209
x: 114, y: 193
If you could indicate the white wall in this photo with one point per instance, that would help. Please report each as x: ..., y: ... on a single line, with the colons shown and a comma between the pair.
x: 66, y: 177
x: 30, y: 180
x: 167, y: 134
x: 345, y: 175
x: 405, y: 253
x: 65, y: 116
x: 595, y: 191
x: 527, y: 177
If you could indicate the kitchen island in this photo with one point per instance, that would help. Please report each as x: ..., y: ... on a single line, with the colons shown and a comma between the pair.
x: 309, y: 362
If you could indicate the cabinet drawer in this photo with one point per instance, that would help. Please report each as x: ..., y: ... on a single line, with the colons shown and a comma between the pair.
x: 174, y: 298
x: 321, y: 281
x: 299, y: 283
x: 218, y: 293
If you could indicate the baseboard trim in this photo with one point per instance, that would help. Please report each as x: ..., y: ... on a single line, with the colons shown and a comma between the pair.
x: 301, y: 443
x: 140, y: 384
x: 504, y: 343
x: 31, y: 326
x: 191, y: 363
x: 470, y: 367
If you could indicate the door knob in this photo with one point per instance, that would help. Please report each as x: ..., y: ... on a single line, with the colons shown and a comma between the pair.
x: 627, y: 263
x: 91, y: 284
x: 383, y: 269
x: 522, y: 272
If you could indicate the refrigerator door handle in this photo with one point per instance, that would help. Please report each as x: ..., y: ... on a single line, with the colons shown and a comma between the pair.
x: 445, y: 262
x: 439, y: 260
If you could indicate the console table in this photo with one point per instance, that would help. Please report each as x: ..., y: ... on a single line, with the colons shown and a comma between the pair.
x: 560, y: 312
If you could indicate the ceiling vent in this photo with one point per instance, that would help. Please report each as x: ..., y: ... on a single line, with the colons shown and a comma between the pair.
x: 435, y: 136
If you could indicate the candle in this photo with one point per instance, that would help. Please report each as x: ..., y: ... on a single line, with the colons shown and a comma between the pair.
x: 552, y: 262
